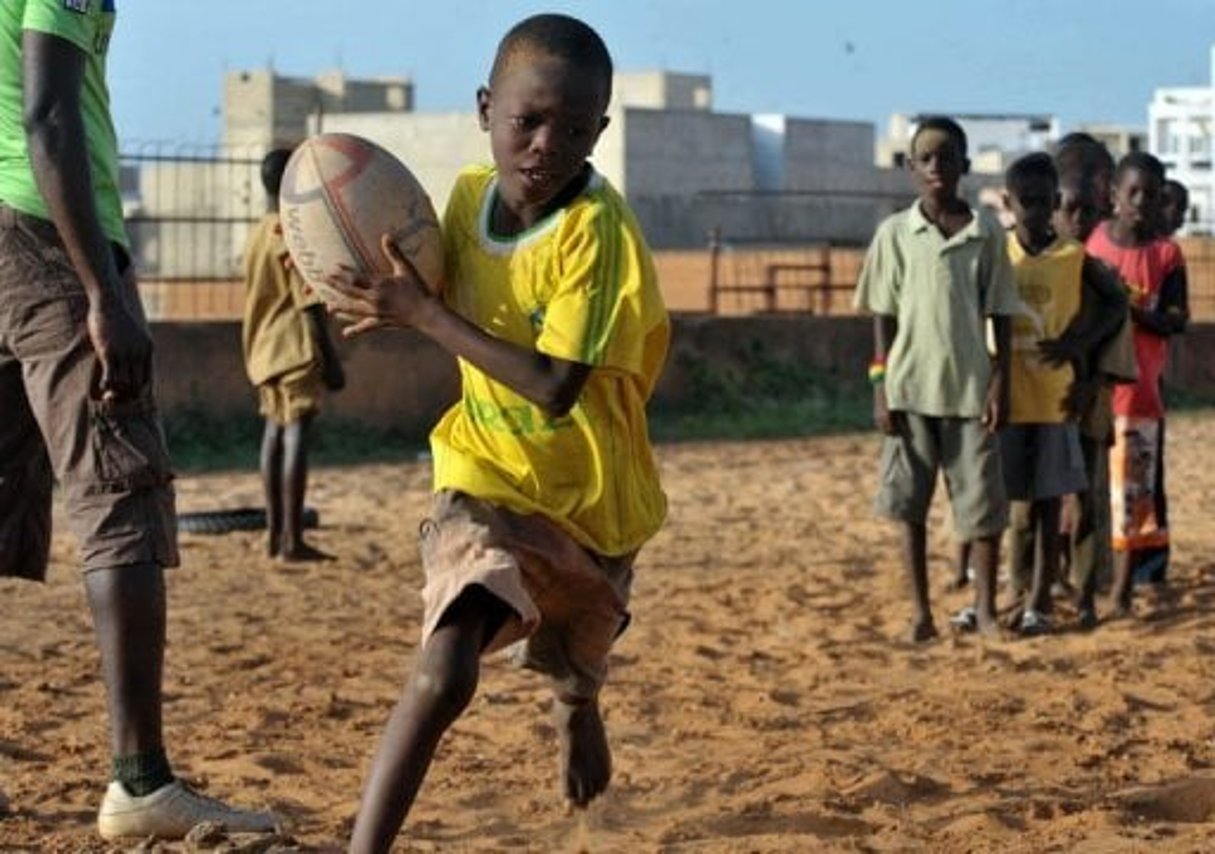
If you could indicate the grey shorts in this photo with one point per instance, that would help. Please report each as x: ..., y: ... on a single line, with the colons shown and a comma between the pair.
x: 965, y: 453
x: 569, y: 603
x: 110, y: 458
x: 1042, y: 461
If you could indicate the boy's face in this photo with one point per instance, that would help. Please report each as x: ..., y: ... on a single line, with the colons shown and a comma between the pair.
x: 1032, y: 204
x: 1078, y: 212
x: 543, y: 116
x: 937, y: 164
x: 1137, y: 201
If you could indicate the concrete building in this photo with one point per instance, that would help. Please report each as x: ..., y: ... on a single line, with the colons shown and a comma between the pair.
x: 263, y: 110
x: 994, y: 140
x: 1181, y: 132
x: 1119, y: 139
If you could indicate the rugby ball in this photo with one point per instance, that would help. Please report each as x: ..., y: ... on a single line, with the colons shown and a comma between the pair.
x: 339, y: 194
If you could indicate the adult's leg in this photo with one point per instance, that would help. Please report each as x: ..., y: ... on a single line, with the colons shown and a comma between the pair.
x: 441, y: 686
x: 128, y: 607
x: 272, y: 476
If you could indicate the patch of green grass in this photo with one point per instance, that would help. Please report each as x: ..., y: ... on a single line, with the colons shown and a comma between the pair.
x: 759, y: 396
x: 200, y: 442
x: 1183, y: 400
x: 755, y: 396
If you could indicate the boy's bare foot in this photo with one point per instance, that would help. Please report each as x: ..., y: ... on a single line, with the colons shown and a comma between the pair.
x: 921, y: 631
x: 586, y: 759
x: 303, y: 553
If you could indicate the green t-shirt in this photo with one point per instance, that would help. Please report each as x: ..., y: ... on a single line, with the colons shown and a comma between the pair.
x: 87, y: 24
x: 941, y: 291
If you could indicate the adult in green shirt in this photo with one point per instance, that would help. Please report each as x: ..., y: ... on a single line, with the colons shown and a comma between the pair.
x: 76, y: 392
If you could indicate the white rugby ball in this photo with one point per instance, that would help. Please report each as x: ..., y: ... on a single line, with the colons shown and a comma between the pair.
x: 339, y: 194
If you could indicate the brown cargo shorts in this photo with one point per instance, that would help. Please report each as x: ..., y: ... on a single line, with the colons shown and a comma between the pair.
x: 569, y: 603
x: 109, y: 457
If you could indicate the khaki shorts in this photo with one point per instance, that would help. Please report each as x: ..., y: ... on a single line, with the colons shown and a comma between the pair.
x: 292, y: 396
x: 569, y: 604
x: 109, y: 457
x: 968, y: 455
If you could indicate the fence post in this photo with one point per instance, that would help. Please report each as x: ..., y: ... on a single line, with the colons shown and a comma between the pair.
x: 714, y: 260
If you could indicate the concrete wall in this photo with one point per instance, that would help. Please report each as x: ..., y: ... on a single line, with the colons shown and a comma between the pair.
x: 401, y: 381
x: 828, y: 155
x: 681, y: 221
x: 683, y: 152
x: 662, y: 90
x: 435, y: 146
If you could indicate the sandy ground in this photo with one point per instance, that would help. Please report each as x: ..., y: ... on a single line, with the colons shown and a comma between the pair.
x: 762, y: 700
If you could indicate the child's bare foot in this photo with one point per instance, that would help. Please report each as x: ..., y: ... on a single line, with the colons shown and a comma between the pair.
x: 921, y: 631
x: 586, y: 760
x: 303, y: 553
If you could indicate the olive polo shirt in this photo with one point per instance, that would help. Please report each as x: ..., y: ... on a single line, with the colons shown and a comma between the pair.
x: 941, y: 291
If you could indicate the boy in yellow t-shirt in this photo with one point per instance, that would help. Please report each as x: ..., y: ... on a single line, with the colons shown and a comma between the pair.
x: 290, y: 359
x: 1041, y: 444
x: 546, y: 486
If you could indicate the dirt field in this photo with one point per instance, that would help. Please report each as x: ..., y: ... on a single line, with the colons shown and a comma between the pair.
x: 761, y: 701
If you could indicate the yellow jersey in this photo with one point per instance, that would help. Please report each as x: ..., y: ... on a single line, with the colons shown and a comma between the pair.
x: 1049, y: 285
x: 578, y: 286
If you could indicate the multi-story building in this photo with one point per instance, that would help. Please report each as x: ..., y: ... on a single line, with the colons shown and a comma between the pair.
x: 1181, y: 132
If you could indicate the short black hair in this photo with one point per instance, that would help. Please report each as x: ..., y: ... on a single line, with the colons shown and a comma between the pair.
x: 941, y: 123
x: 562, y: 37
x: 273, y: 166
x: 1079, y: 156
x: 1140, y: 161
x: 1036, y: 165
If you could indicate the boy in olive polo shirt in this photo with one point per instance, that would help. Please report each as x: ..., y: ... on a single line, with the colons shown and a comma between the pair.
x: 933, y: 275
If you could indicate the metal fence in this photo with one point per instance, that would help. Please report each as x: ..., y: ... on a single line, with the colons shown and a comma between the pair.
x: 189, y: 211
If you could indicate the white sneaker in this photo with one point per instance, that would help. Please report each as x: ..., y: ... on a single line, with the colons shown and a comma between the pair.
x: 170, y: 812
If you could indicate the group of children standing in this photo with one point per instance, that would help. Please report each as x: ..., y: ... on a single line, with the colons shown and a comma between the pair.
x: 1026, y: 367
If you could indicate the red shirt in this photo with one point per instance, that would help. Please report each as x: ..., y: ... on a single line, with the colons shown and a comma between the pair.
x: 1143, y: 269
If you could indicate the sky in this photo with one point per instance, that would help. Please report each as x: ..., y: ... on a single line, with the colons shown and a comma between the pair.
x: 839, y: 59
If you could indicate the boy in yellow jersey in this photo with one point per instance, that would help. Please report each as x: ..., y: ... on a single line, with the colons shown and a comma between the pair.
x: 546, y: 486
x: 1041, y: 446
